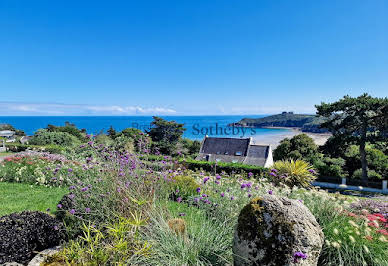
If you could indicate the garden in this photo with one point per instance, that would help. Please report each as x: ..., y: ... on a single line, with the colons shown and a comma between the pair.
x: 135, y: 198
x: 118, y: 210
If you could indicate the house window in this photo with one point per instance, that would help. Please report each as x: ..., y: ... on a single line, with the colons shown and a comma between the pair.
x: 226, y: 153
x: 218, y: 152
x: 238, y: 153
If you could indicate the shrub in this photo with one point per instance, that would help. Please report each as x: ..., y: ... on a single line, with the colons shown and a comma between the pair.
x: 44, y: 137
x: 18, y: 147
x: 298, y: 147
x: 27, y: 232
x: 372, y: 175
x: 182, y: 186
x: 292, y: 173
x: 330, y: 167
x: 219, y: 167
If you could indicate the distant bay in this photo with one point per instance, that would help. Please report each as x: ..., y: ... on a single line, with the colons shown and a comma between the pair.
x: 196, y: 126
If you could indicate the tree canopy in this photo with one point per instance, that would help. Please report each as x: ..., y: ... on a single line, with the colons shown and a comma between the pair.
x: 359, y: 120
x: 165, y: 134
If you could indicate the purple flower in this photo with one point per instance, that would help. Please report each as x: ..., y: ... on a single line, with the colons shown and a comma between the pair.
x: 243, y: 186
x: 198, y: 189
x: 59, y: 206
x: 250, y: 174
x: 72, y: 187
x: 71, y: 196
x: 312, y: 171
x: 217, y: 182
x: 87, y: 210
x: 299, y: 255
x: 182, y: 214
x: 272, y: 173
x: 177, y: 191
x: 179, y: 200
x: 84, y: 189
x: 249, y: 195
x: 270, y: 192
x: 205, y: 180
x: 72, y: 211
x: 274, y: 170
x: 204, y: 195
x: 232, y: 198
x: 70, y: 170
x: 55, y: 227
x: 301, y: 201
x: 196, y: 200
x: 222, y: 194
x: 218, y: 177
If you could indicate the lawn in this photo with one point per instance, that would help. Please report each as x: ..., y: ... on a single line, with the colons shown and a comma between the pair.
x: 17, y: 197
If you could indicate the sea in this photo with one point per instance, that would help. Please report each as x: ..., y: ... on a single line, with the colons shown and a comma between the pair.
x: 197, y: 127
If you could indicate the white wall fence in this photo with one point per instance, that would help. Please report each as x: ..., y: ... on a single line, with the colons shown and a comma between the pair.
x: 343, y: 186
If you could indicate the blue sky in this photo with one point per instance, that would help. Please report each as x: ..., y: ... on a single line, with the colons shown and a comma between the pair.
x: 188, y: 57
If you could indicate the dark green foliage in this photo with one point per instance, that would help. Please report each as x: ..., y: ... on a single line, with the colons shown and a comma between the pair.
x: 46, y: 137
x: 330, y: 167
x: 376, y: 159
x: 371, y: 174
x: 220, y: 167
x: 112, y: 133
x: 360, y: 120
x: 298, y: 147
x: 70, y: 129
x: 308, y: 123
x: 190, y: 147
x: 18, y: 132
x: 23, y: 234
x: 165, y: 134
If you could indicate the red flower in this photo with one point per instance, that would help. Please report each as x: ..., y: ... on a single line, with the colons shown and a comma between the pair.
x: 376, y: 225
x: 383, y: 231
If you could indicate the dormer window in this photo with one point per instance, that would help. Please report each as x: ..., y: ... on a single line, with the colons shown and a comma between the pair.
x: 238, y: 153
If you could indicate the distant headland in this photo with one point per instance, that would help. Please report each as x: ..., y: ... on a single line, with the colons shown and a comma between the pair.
x: 306, y: 123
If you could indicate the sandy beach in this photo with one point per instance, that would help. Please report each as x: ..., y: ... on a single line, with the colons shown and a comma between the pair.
x: 274, y: 140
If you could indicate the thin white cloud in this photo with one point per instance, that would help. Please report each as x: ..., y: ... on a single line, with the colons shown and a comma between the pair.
x: 16, y: 108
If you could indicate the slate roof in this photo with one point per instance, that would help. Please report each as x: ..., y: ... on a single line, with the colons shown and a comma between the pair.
x: 257, y: 154
x: 233, y: 150
x: 225, y: 146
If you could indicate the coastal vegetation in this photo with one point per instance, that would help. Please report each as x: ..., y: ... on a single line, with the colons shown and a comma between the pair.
x: 138, y: 198
x: 307, y: 123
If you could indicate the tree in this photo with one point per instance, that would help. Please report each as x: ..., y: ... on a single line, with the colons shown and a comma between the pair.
x: 298, y: 147
x: 112, y: 132
x: 165, y: 134
x: 360, y: 120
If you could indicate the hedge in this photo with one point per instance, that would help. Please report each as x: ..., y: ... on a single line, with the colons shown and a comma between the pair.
x: 228, y: 168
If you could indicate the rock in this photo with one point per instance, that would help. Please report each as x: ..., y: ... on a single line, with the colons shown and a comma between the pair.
x: 23, y: 234
x: 41, y: 257
x: 276, y: 231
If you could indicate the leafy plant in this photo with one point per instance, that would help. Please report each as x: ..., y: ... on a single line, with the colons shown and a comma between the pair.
x: 293, y: 173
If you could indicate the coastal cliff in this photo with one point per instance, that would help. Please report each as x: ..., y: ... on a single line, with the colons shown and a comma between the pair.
x: 307, y: 123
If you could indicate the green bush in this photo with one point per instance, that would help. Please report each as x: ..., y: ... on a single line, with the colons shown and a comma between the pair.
x: 220, y: 167
x: 292, y: 173
x: 298, y: 147
x: 182, y: 186
x: 330, y: 167
x: 372, y: 175
x: 44, y: 137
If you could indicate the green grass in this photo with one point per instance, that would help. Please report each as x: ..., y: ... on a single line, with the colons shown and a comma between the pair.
x: 5, y: 153
x: 17, y: 197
